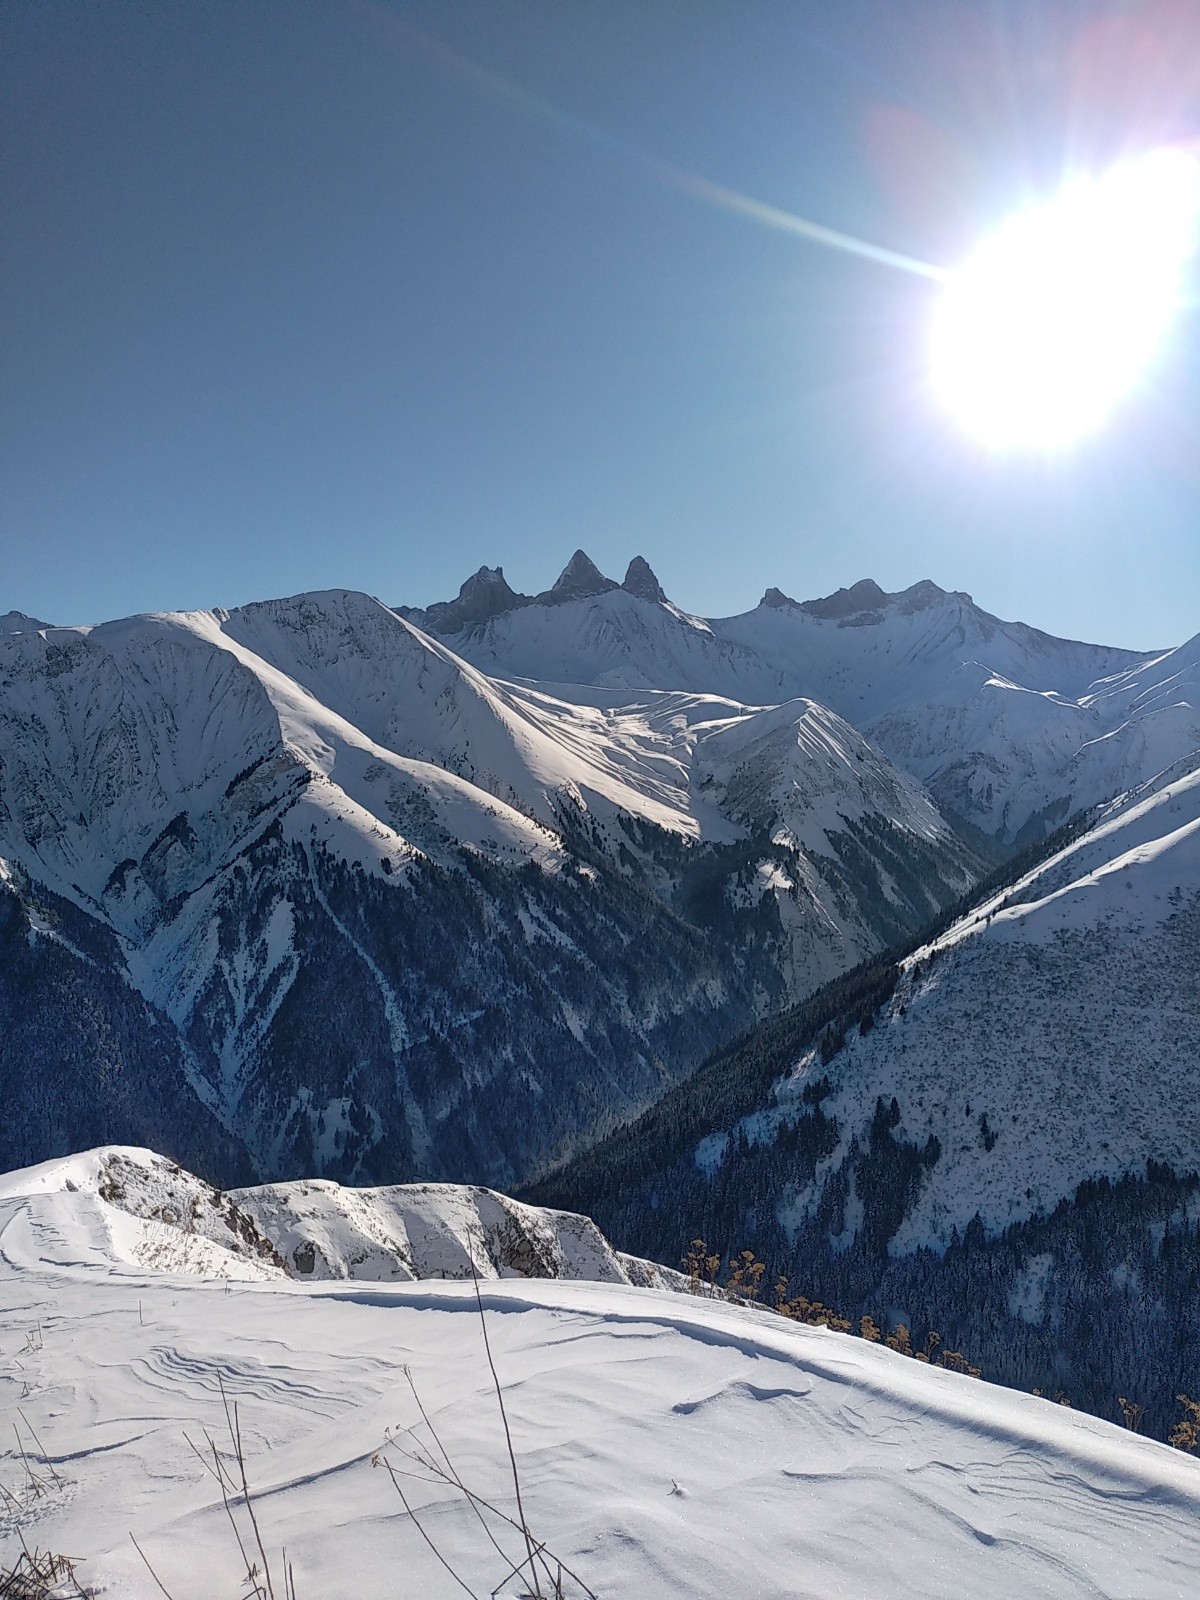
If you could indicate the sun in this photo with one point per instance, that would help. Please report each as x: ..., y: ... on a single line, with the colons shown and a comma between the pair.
x: 1056, y: 315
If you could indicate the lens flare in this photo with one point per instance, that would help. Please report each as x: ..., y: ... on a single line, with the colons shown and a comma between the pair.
x: 1055, y: 317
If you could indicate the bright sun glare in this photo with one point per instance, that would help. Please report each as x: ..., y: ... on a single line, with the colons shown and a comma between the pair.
x: 1055, y: 316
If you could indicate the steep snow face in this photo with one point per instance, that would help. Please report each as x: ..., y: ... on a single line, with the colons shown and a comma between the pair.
x: 1006, y: 725
x: 667, y: 1446
x: 1049, y: 1038
x: 141, y: 757
x: 120, y: 748
x: 415, y: 697
x: 802, y: 770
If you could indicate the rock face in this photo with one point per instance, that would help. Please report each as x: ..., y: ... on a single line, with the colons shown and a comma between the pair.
x: 578, y: 579
x: 641, y: 582
x: 18, y: 622
x: 485, y: 594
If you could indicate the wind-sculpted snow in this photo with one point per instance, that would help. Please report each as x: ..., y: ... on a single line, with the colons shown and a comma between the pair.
x: 668, y: 1446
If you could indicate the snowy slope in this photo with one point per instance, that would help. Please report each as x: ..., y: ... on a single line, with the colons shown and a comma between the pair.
x: 997, y: 1138
x: 668, y: 1446
x: 154, y: 1213
x: 1065, y: 1014
x: 334, y: 707
x: 262, y: 806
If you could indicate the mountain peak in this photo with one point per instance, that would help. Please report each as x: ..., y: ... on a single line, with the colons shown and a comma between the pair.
x: 20, y: 622
x: 485, y: 594
x: 860, y: 598
x: 865, y: 595
x: 641, y: 582
x: 579, y: 578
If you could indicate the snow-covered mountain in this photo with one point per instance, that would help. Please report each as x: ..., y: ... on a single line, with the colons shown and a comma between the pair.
x: 1065, y: 1013
x: 384, y: 904
x: 151, y: 1212
x: 666, y: 1445
x: 1001, y: 1134
x: 19, y: 622
x: 1010, y: 728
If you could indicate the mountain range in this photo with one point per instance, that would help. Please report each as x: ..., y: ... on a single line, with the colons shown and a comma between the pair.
x: 324, y: 887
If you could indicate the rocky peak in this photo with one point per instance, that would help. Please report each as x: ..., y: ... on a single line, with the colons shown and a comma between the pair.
x: 486, y: 593
x: 579, y: 578
x: 641, y: 582
x: 865, y: 595
x: 19, y: 622
x: 776, y: 600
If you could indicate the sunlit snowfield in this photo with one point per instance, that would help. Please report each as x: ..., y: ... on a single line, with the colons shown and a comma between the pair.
x: 668, y: 1446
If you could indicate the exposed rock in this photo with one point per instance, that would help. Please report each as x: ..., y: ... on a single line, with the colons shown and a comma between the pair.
x: 19, y: 622
x: 485, y: 594
x: 578, y: 579
x: 641, y: 582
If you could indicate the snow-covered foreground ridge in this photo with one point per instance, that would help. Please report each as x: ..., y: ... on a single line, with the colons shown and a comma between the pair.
x: 154, y: 1213
x: 668, y: 1446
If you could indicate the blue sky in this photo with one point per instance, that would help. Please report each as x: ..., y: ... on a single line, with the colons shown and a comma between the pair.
x: 319, y: 293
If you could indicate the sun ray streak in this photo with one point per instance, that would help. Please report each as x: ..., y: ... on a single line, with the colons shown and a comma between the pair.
x: 692, y: 183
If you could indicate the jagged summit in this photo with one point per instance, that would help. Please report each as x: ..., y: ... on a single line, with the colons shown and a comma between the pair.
x: 641, y: 582
x: 487, y: 594
x: 863, y: 596
x: 578, y: 579
x: 20, y: 622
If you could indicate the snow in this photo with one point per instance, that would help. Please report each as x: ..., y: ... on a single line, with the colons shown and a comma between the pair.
x: 668, y: 1446
x: 1064, y: 1009
x: 141, y: 759
x: 1000, y: 720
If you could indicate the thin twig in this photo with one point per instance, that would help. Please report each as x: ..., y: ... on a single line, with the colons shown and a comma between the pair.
x: 45, y: 1455
x: 432, y: 1466
x: 512, y: 1455
x: 235, y: 1431
x: 424, y: 1535
x: 218, y: 1472
x: 38, y: 1486
x: 162, y: 1586
x: 453, y: 1471
x: 520, y: 1566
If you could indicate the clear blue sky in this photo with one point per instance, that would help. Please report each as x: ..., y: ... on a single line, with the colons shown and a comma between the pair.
x: 304, y: 293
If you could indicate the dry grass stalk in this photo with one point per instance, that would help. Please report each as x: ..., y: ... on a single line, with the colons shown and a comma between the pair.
x: 538, y: 1564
